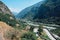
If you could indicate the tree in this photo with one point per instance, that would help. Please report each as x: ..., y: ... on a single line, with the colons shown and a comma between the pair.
x: 40, y: 29
x: 31, y: 28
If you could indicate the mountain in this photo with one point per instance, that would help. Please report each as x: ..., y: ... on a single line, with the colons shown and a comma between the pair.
x: 23, y: 12
x: 47, y: 11
x: 7, y: 16
x: 10, y: 28
x: 28, y: 9
x: 14, y: 13
x: 4, y: 9
x: 8, y: 24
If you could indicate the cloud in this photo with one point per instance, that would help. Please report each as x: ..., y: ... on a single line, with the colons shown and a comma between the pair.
x: 14, y: 10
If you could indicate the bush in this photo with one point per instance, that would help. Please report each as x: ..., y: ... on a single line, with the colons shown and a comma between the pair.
x: 6, y: 18
x: 31, y: 28
x: 40, y: 29
x: 29, y: 36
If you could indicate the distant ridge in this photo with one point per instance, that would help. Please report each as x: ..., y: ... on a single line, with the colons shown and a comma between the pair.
x: 47, y: 12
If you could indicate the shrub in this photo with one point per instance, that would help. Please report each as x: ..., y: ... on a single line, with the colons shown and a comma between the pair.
x: 31, y: 28
x: 29, y: 36
x: 6, y: 18
x: 40, y: 29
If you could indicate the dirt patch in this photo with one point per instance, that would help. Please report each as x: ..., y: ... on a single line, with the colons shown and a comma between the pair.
x: 3, y: 28
x: 9, y: 33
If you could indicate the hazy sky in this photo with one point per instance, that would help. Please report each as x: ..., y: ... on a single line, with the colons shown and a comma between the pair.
x: 18, y: 5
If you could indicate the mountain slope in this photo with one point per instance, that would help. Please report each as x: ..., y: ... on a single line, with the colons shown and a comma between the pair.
x: 47, y: 12
x: 7, y: 32
x: 6, y: 15
x: 9, y: 26
x: 29, y: 9
x: 4, y: 9
x: 4, y: 27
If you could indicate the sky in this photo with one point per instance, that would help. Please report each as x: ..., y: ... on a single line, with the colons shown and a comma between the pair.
x: 19, y: 5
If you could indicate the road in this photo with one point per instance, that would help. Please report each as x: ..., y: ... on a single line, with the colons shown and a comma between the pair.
x: 49, y: 35
x: 44, y: 29
x: 56, y: 36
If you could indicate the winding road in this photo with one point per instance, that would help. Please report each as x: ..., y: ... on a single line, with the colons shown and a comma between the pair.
x: 49, y: 35
x: 44, y: 29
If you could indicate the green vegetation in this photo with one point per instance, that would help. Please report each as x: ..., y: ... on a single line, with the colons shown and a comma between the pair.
x: 40, y: 29
x: 56, y: 31
x: 6, y: 18
x: 28, y: 36
x: 42, y: 33
x: 10, y: 20
x: 22, y: 25
x: 31, y: 28
x: 45, y: 37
